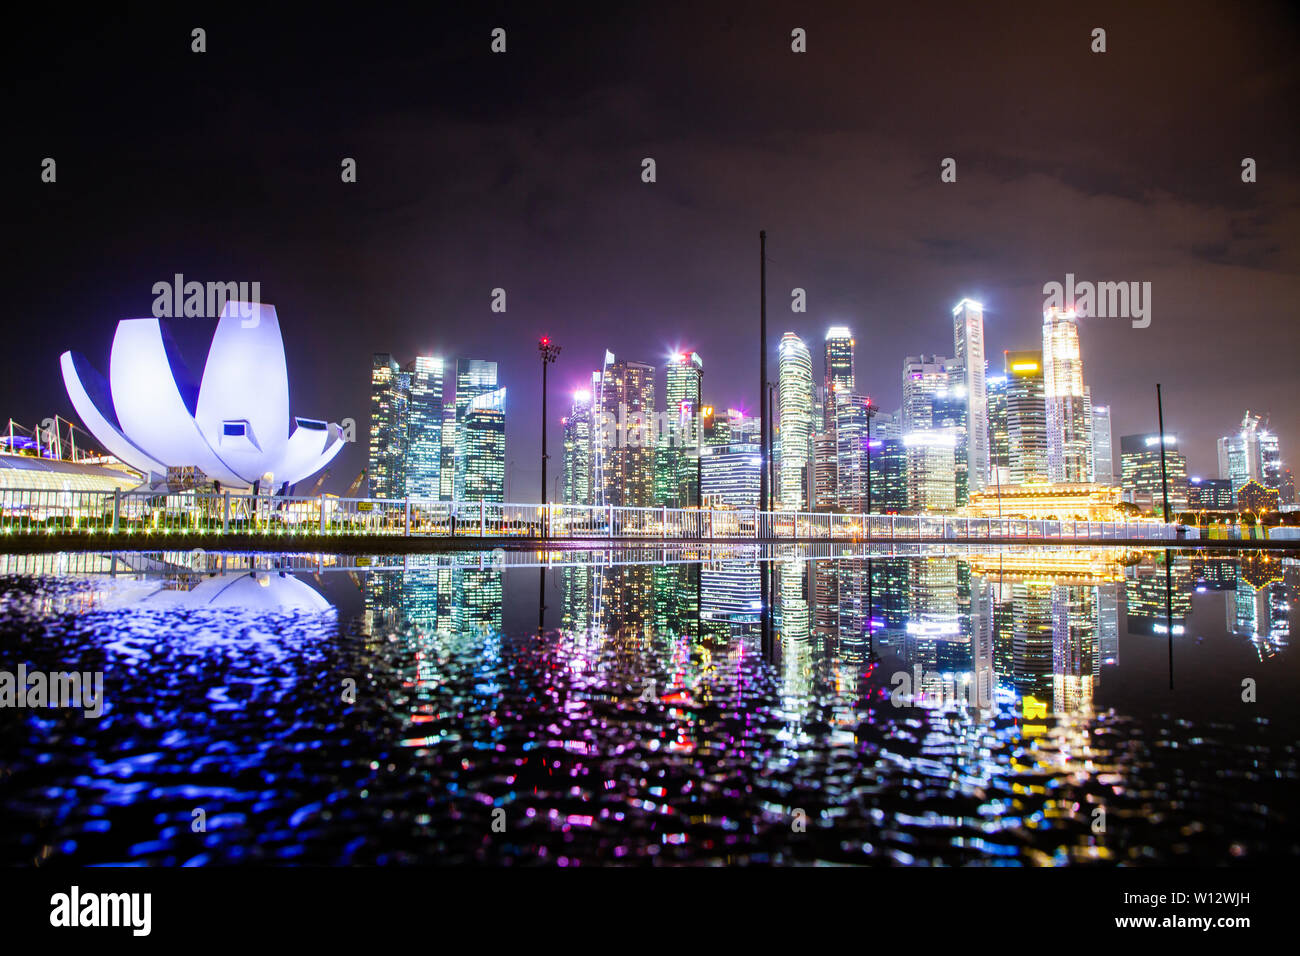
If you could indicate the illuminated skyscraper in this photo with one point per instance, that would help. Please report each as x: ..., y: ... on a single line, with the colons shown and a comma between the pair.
x: 731, y: 475
x: 474, y: 377
x: 1142, y: 481
x: 839, y: 369
x: 424, y: 428
x: 389, y: 394
x: 999, y: 455
x: 577, y: 450
x: 1068, y: 444
x: 675, y: 465
x: 931, y: 469
x: 1252, y: 454
x: 447, y: 484
x: 484, y: 443
x: 623, y: 437
x: 1026, y: 417
x: 1103, y: 461
x: 935, y: 400
x: 795, y: 396
x: 968, y: 339
x: 851, y: 452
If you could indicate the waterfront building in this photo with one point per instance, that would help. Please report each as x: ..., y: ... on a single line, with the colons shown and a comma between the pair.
x: 795, y: 398
x: 1141, y: 478
x: 474, y: 378
x: 999, y: 439
x: 1058, y: 501
x: 1068, y: 440
x: 232, y: 427
x: 731, y: 475
x: 1257, y: 498
x: 484, y: 444
x: 1253, y: 453
x: 838, y: 369
x: 968, y: 340
x: 424, y: 378
x: 1103, y: 461
x: 1210, y: 494
x: 931, y: 470
x: 389, y: 396
x: 1026, y: 417
x: 577, y: 474
x: 624, y: 400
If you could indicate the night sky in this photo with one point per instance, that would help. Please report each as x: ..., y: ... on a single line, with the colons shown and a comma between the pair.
x: 523, y: 171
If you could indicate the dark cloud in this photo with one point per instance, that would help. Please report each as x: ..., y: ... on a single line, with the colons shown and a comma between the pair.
x: 478, y: 171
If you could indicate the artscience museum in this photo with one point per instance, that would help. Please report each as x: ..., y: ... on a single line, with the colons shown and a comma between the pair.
x: 231, y: 426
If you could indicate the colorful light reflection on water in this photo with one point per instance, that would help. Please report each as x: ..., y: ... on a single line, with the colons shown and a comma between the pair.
x: 959, y: 708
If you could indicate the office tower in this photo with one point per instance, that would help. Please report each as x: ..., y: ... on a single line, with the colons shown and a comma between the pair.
x: 888, y: 465
x: 825, y: 463
x: 730, y: 475
x: 935, y: 400
x: 484, y: 442
x: 742, y: 427
x: 1210, y: 494
x: 931, y: 469
x: 447, y: 485
x: 675, y: 465
x: 1026, y: 417
x: 1103, y: 463
x: 717, y: 425
x: 968, y: 339
x: 474, y: 377
x: 952, y: 413
x: 577, y: 450
x: 839, y: 369
x: 850, y: 429
x: 1141, y: 478
x: 923, y: 377
x: 424, y: 428
x: 623, y: 433
x: 1253, y: 454
x: 1068, y: 445
x: 795, y: 397
x: 999, y: 456
x: 389, y: 387
x: 1286, y: 493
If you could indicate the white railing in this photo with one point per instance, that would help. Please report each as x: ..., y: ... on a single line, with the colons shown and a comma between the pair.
x: 26, y: 511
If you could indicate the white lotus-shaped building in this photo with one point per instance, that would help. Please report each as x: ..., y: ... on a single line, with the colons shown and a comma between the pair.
x: 233, y: 425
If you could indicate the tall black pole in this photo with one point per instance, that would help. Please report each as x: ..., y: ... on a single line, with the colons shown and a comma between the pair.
x: 1164, y: 474
x: 549, y: 353
x: 765, y: 449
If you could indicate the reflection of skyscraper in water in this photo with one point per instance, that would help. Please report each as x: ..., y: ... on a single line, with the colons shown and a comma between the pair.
x: 476, y: 599
x: 1108, y: 623
x: 792, y: 605
x: 935, y: 636
x: 674, y: 598
x: 626, y: 598
x: 1145, y: 593
x: 1032, y: 651
x: 732, y: 593
x: 1075, y: 663
x: 577, y: 598
x: 983, y: 674
x: 1260, y: 607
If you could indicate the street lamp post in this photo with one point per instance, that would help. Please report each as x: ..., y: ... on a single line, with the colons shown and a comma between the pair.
x: 549, y: 352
